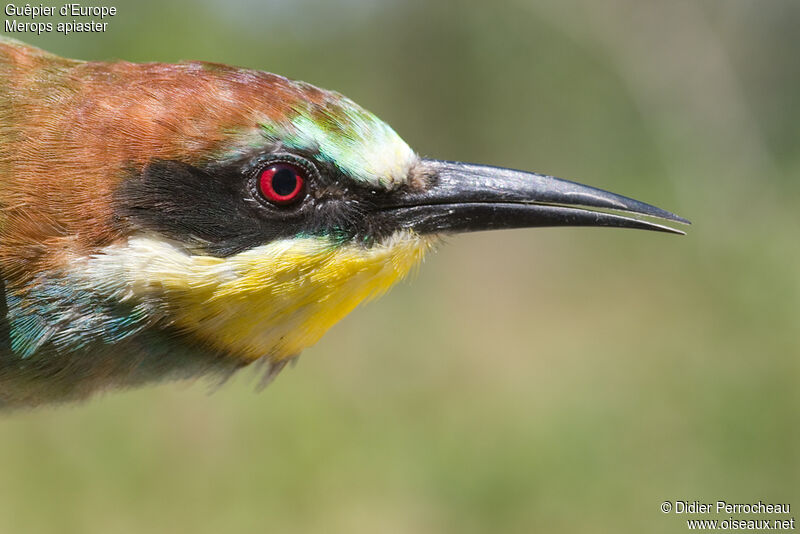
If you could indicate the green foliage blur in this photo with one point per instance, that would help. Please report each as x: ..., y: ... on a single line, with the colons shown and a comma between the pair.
x: 563, y: 380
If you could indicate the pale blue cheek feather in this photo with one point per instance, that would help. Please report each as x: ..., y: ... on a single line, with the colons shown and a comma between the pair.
x: 55, y: 312
x: 64, y: 341
x: 359, y: 144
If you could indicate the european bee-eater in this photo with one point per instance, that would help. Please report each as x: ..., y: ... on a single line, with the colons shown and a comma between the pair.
x: 162, y: 221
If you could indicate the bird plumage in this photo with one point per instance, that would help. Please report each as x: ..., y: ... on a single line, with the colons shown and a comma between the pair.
x: 78, y: 284
x: 138, y: 242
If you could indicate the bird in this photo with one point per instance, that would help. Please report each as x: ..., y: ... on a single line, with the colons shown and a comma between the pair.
x: 170, y: 221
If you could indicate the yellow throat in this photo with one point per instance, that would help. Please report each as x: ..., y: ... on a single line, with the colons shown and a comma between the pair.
x: 273, y: 300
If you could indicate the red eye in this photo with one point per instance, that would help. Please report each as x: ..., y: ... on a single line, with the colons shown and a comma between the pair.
x: 281, y: 183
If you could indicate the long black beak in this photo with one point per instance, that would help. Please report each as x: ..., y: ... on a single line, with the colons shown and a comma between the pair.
x: 462, y: 197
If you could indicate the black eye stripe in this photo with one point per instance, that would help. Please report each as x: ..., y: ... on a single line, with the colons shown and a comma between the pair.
x: 220, y: 209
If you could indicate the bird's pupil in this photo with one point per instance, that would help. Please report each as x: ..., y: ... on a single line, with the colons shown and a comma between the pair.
x: 284, y: 182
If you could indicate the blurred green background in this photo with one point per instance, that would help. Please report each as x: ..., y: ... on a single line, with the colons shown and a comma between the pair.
x: 565, y: 380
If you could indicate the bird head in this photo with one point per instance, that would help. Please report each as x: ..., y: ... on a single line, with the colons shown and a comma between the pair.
x: 240, y: 212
